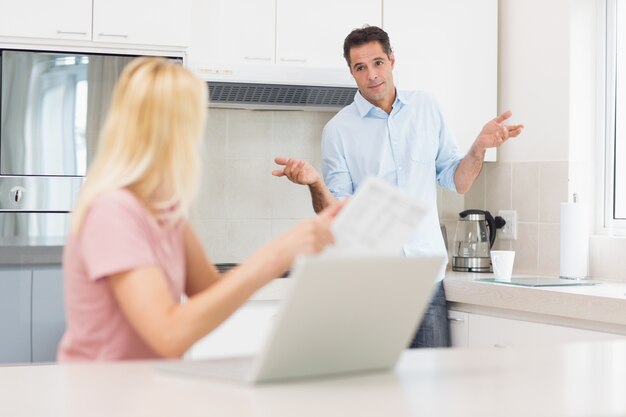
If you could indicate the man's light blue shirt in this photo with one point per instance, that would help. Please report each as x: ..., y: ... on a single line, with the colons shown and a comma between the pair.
x: 411, y: 147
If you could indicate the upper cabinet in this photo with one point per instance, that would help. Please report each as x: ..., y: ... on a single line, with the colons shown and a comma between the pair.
x: 286, y: 32
x: 450, y: 49
x: 144, y: 22
x: 312, y: 32
x: 137, y: 22
x: 233, y: 31
x: 46, y: 19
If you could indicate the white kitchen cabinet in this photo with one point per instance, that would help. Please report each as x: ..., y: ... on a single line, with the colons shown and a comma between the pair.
x: 241, y: 334
x: 137, y: 22
x: 488, y: 331
x: 312, y: 33
x: 48, y: 314
x: 450, y: 49
x: 266, y: 32
x: 233, y: 31
x: 145, y: 22
x: 32, y: 318
x: 459, y: 328
x: 15, y: 316
x: 60, y: 19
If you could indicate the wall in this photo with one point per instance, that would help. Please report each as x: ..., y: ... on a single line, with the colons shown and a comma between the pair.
x: 241, y: 205
x: 534, y: 190
x: 547, y: 77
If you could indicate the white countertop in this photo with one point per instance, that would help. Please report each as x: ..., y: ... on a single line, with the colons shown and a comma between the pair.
x: 569, y: 380
x: 599, y: 307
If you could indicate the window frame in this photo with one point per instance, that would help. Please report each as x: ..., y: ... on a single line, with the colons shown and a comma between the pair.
x: 611, y: 224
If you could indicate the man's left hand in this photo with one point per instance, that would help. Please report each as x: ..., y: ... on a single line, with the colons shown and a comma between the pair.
x: 495, y: 132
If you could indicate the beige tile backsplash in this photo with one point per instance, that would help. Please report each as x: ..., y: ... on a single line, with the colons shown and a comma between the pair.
x: 535, y: 190
x: 548, y: 248
x: 249, y: 133
x: 552, y: 190
x: 498, y: 187
x: 525, y: 178
x: 242, y: 206
x: 248, y: 188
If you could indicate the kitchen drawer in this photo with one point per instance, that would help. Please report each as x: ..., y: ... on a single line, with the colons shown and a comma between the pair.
x: 487, y: 331
x: 459, y: 327
x: 48, y: 314
x: 15, y: 315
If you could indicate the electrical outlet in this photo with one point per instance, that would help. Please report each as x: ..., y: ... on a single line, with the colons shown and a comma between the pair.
x: 509, y: 231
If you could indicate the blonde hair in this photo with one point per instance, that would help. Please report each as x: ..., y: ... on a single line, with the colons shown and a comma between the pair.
x: 149, y: 141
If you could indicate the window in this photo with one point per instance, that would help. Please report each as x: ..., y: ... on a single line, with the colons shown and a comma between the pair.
x: 615, y: 202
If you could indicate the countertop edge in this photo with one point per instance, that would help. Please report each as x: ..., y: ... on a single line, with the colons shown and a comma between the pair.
x: 601, y: 307
x: 13, y: 256
x: 603, y: 303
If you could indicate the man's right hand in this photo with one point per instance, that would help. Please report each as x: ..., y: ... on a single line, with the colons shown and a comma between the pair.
x: 301, y: 172
x: 298, y: 171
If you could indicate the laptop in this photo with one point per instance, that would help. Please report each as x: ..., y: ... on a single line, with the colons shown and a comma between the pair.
x: 339, y: 315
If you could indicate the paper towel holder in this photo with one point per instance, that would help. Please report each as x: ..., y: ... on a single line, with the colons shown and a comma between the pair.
x: 574, y: 241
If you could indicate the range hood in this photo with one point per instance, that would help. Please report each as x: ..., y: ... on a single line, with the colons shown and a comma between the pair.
x: 278, y: 87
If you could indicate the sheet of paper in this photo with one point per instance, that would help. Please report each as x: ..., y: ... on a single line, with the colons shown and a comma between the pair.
x: 378, y: 220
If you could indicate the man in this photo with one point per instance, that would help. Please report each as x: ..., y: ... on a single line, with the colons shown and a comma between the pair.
x: 401, y: 137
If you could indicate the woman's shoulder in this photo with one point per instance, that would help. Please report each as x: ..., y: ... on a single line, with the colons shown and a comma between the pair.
x: 118, y: 196
x: 117, y: 202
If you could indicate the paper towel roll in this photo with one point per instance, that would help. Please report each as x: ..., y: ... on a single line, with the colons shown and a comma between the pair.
x: 574, y: 240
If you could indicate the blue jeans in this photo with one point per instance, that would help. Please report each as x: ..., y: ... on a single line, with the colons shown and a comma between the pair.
x: 435, y: 329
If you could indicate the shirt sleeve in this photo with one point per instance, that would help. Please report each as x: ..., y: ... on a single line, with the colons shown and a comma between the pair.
x: 334, y: 167
x: 448, y: 157
x: 115, y: 236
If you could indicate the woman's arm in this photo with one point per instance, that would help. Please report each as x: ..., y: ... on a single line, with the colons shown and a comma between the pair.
x: 200, y: 271
x: 170, y: 328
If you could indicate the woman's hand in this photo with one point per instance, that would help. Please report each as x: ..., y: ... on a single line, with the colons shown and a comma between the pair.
x: 310, y: 236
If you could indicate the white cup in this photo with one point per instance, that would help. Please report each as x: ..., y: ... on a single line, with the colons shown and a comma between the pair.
x: 502, y: 262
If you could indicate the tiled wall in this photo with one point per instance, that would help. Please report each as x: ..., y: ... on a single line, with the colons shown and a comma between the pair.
x: 242, y: 206
x: 535, y: 190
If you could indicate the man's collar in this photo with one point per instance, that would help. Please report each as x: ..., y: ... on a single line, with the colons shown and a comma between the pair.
x: 364, y: 107
x: 400, y: 98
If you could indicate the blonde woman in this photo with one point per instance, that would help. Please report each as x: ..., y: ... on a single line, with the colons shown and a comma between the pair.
x: 131, y: 253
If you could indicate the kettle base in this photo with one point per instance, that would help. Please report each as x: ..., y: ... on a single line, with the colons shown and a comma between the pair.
x: 477, y: 264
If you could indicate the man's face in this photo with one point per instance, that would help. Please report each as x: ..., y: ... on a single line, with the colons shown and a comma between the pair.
x: 372, y: 71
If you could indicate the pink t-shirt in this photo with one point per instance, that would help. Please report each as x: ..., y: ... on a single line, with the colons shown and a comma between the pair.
x: 118, y: 234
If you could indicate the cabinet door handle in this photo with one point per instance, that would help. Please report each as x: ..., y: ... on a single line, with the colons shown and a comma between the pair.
x: 500, y: 346
x: 113, y: 35
x: 456, y: 319
x: 70, y: 32
x: 302, y: 60
x: 257, y: 58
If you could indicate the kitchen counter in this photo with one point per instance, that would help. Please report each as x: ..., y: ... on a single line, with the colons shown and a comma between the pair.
x: 24, y: 256
x: 580, y: 379
x: 24, y: 251
x: 600, y: 307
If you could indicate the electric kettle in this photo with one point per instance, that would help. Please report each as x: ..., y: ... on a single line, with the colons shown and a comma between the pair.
x: 473, y: 239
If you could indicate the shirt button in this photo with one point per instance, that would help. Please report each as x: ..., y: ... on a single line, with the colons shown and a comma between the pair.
x: 399, y: 168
